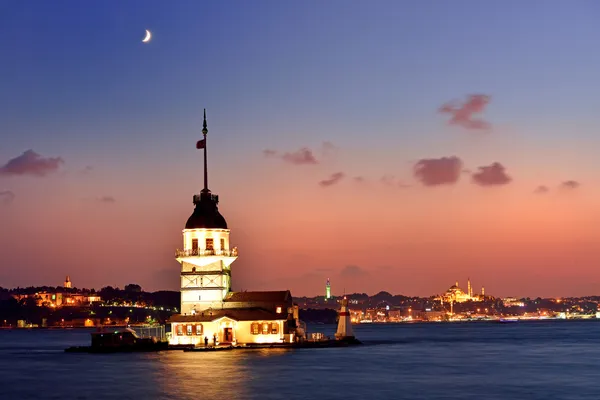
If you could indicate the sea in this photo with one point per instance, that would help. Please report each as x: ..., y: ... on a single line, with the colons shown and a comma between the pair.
x: 463, y: 361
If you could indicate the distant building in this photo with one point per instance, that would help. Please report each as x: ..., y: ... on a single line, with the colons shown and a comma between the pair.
x: 67, y: 284
x: 211, y: 313
x: 456, y: 295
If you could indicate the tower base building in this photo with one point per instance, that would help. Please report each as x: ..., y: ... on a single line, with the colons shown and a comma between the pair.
x: 211, y: 313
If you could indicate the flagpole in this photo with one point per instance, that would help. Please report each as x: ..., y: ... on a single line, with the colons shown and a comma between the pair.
x: 204, y: 132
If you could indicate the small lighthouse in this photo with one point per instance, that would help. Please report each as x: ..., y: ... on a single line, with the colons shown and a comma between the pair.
x: 344, y: 330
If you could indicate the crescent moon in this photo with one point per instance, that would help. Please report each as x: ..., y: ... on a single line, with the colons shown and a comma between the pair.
x: 148, y: 36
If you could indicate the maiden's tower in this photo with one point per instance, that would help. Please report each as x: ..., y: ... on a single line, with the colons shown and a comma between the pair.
x: 210, y: 311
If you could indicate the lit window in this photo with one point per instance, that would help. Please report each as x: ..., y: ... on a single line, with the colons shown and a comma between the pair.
x: 254, y: 328
x: 189, y: 330
x: 198, y: 330
x: 179, y: 330
x: 278, y: 310
x: 274, y: 328
x: 265, y: 328
x: 210, y: 244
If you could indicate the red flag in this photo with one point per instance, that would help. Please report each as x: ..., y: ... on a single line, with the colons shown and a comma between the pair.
x: 201, y: 144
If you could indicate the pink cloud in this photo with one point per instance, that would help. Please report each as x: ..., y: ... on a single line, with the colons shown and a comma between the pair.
x: 438, y: 171
x: 302, y: 156
x: 542, y: 189
x: 491, y: 175
x: 570, y: 185
x: 462, y: 114
x: 333, y: 179
x: 31, y: 163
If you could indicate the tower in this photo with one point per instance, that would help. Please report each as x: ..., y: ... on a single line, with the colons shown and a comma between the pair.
x: 206, y: 256
x: 469, y: 288
x: 327, y: 290
x: 344, y: 330
x: 482, y: 291
x: 67, y: 284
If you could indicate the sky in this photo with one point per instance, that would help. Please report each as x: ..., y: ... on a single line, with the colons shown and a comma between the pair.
x: 397, y: 146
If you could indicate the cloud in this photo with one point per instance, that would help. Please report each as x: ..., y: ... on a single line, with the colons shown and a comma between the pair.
x: 542, y: 189
x: 570, y: 185
x: 269, y: 153
x: 462, y: 114
x: 87, y: 170
x: 353, y: 271
x: 388, y: 180
x: 438, y: 171
x: 31, y: 163
x: 491, y: 175
x: 300, y: 157
x: 6, y: 197
x: 359, y: 179
x: 328, y: 148
x: 333, y: 179
x: 107, y: 199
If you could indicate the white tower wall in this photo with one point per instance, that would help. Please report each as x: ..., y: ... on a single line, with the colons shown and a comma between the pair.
x: 206, y: 261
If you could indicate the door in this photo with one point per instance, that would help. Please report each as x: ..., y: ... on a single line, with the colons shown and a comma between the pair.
x: 227, y: 335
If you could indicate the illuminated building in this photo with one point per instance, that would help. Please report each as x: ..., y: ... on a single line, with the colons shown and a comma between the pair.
x: 327, y: 290
x: 67, y: 284
x: 456, y: 295
x: 211, y: 313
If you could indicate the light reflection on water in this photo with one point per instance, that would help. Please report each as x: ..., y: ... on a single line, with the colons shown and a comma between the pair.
x: 423, y: 361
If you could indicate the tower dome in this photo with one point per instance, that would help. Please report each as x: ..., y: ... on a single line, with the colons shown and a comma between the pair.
x: 206, y: 215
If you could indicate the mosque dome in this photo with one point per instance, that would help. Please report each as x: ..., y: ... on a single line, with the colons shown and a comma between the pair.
x: 206, y: 215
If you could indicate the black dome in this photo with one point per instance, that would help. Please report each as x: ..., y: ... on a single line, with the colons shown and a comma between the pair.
x: 206, y: 215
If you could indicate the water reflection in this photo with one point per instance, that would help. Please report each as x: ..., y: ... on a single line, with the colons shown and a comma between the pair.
x: 211, y: 375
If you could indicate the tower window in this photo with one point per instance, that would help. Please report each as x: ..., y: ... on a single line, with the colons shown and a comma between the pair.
x: 194, y: 246
x: 210, y: 244
x: 222, y: 244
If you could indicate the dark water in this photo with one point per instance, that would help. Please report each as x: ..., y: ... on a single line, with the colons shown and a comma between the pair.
x: 525, y: 360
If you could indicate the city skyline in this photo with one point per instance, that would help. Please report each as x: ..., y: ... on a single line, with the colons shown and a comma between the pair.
x: 389, y: 148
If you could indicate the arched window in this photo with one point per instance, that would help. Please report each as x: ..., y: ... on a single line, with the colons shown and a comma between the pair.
x: 265, y: 328
x: 254, y: 328
x: 199, y: 330
x: 179, y: 329
x: 274, y: 328
x: 193, y: 269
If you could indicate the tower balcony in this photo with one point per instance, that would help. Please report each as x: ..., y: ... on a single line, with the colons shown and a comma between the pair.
x: 206, y: 253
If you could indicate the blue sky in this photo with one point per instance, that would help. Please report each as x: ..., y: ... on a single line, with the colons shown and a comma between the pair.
x: 77, y: 82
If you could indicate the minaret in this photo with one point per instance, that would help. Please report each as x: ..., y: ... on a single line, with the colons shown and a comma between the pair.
x: 67, y: 284
x: 344, y: 330
x: 469, y: 288
x: 206, y: 256
x: 327, y: 290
